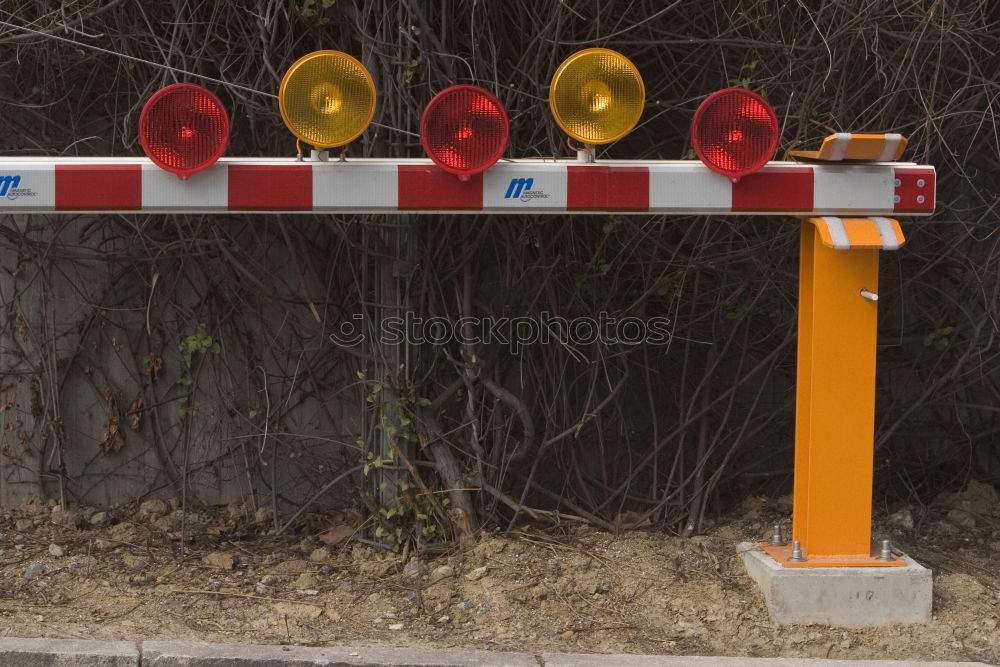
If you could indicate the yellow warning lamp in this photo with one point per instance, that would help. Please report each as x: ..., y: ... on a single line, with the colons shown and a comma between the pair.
x: 597, y: 96
x: 327, y: 98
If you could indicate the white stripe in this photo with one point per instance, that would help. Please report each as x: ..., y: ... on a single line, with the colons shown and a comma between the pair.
x: 837, y: 233
x: 27, y: 187
x: 679, y: 189
x: 889, y: 148
x: 206, y: 190
x: 841, y: 140
x: 850, y: 190
x: 354, y: 186
x: 547, y: 192
x: 887, y: 232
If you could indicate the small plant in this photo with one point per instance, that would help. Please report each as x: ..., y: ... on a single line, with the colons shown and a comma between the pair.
x: 196, y: 342
x: 311, y: 9
x: 404, y: 513
x: 411, y: 70
x: 940, y: 339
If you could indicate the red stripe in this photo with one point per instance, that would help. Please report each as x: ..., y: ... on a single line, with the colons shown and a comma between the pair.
x: 270, y: 188
x: 98, y: 187
x: 789, y: 189
x: 607, y: 188
x: 429, y: 188
x: 909, y: 191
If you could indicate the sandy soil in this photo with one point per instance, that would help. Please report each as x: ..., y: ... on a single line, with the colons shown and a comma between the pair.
x: 127, y: 574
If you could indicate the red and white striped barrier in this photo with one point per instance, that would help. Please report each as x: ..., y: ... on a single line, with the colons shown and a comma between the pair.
x: 38, y: 185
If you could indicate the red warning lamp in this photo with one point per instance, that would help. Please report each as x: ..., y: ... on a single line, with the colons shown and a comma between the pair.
x: 184, y: 128
x: 734, y: 132
x: 464, y: 129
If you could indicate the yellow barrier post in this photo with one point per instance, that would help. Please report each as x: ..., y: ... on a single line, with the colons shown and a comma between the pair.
x: 835, y: 400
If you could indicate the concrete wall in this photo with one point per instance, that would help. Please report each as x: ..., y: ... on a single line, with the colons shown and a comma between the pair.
x: 75, y: 345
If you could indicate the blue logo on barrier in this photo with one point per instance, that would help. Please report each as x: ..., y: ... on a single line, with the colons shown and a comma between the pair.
x: 520, y: 188
x: 10, y: 188
x: 517, y: 186
x: 8, y: 184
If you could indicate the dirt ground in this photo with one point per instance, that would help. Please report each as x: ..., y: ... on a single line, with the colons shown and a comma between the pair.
x: 127, y: 574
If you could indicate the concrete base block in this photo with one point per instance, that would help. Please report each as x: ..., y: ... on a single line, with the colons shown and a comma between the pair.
x: 844, y: 597
x: 18, y: 652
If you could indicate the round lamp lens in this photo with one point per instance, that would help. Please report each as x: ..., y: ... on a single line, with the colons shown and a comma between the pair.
x: 597, y: 96
x: 464, y: 129
x: 184, y: 128
x: 327, y: 98
x: 735, y: 132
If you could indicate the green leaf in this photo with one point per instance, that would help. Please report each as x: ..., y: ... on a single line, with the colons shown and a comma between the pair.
x: 411, y: 70
x: 667, y: 288
x: 939, y: 338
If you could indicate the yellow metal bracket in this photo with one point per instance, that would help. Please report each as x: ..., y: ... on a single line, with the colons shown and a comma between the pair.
x: 855, y: 147
x: 858, y: 233
x: 835, y: 395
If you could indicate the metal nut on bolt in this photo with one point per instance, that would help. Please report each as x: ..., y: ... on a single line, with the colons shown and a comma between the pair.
x: 796, y: 556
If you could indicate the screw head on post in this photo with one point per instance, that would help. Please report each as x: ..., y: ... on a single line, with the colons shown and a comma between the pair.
x: 886, y: 553
x: 776, y: 538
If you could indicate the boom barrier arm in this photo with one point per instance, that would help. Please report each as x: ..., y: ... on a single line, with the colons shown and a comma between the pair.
x: 534, y: 186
